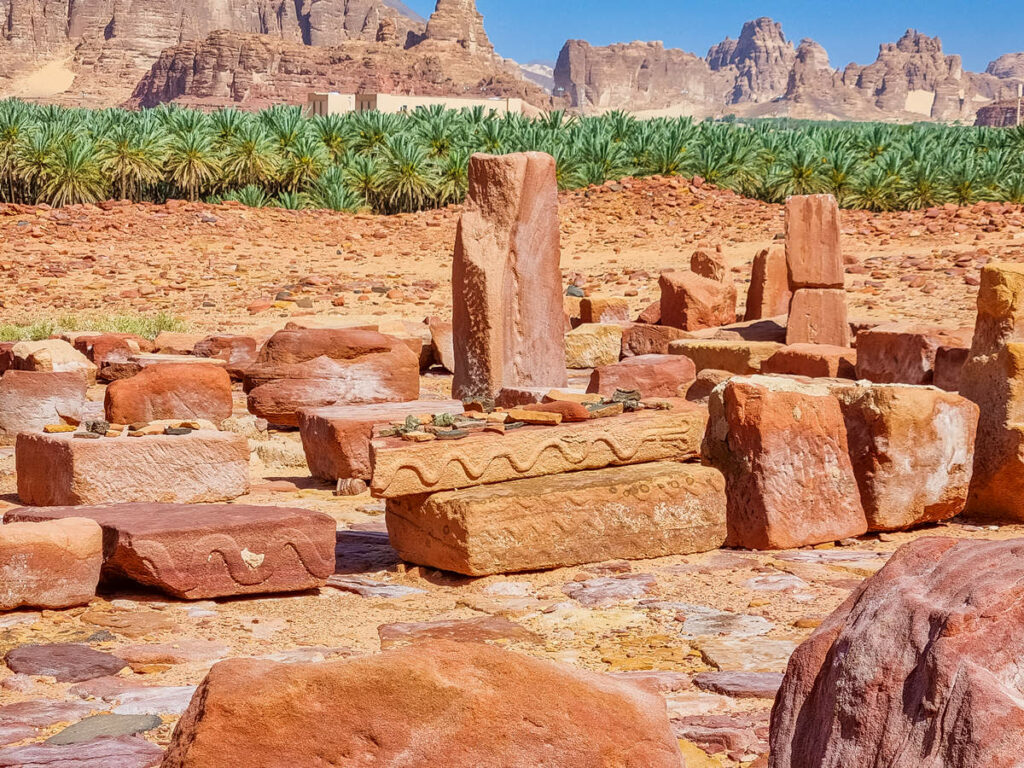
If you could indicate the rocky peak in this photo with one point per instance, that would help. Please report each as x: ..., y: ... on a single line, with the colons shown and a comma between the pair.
x: 458, y: 21
x: 762, y: 58
x: 915, y: 42
x: 1010, y: 65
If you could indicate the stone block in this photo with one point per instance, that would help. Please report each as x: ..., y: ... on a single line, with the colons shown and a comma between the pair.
x: 739, y: 357
x: 49, y: 565
x: 651, y: 375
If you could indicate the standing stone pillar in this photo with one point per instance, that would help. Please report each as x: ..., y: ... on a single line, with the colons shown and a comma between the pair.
x: 814, y: 260
x: 768, y: 294
x: 993, y: 377
x: 508, y: 321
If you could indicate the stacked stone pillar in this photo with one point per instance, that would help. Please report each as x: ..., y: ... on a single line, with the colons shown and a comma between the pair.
x: 508, y: 320
x: 814, y: 261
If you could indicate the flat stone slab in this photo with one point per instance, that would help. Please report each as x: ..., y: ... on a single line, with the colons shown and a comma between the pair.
x: 59, y: 470
x: 608, y: 590
x: 106, y: 752
x: 105, y: 725
x: 67, y: 662
x: 740, y: 685
x: 404, y: 469
x: 730, y: 654
x: 337, y: 439
x: 460, y: 630
x: 217, y: 550
x: 633, y: 512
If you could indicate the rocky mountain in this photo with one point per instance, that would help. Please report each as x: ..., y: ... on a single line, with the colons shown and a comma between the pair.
x: 1008, y: 65
x: 112, y: 43
x: 257, y: 71
x: 761, y: 74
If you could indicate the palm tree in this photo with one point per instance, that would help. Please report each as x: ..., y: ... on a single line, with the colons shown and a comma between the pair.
x: 250, y: 157
x: 303, y: 162
x: 132, y: 157
x: 73, y: 175
x: 408, y: 180
x: 192, y: 163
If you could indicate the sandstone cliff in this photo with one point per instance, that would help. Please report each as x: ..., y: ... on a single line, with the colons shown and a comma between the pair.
x: 256, y: 71
x: 761, y: 74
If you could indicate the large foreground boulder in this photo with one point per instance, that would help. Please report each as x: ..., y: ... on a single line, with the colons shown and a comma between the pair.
x: 30, y: 400
x: 920, y: 668
x: 457, y: 705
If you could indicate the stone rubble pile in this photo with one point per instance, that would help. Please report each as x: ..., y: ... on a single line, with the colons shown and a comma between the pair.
x: 573, y: 437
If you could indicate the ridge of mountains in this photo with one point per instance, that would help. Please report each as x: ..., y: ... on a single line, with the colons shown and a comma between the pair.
x: 253, y: 53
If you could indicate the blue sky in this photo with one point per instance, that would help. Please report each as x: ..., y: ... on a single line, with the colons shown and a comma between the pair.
x: 850, y: 31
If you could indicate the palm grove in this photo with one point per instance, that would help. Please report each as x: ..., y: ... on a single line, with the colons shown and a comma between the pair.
x: 408, y: 162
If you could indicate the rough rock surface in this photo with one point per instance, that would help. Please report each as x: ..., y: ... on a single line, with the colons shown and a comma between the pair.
x: 506, y: 283
x: 49, y: 565
x: 463, y: 705
x: 635, y: 512
x: 904, y: 353
x: 918, y: 667
x: 912, y: 450
x: 159, y: 392
x: 692, y: 302
x: 315, y: 368
x: 60, y: 470
x: 458, y: 21
x: 197, y: 552
x: 30, y: 400
x: 768, y: 294
x: 781, y: 444
x: 650, y: 375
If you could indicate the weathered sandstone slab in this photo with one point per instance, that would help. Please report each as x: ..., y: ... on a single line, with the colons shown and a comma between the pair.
x: 593, y: 345
x: 54, y: 355
x: 739, y: 357
x: 813, y: 360
x: 60, y: 470
x: 692, y: 302
x: 633, y: 512
x: 818, y: 316
x: 506, y: 283
x: 814, y: 257
x: 782, y: 445
x: 30, y: 400
x: 650, y: 375
x: 404, y: 469
x: 49, y: 565
x: 201, y: 551
x: 768, y: 294
x: 170, y: 392
x: 904, y: 353
x: 461, y: 705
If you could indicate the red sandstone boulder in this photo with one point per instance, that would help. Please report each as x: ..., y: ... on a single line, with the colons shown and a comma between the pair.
x: 172, y: 343
x: 781, y: 444
x: 912, y: 450
x: 51, y: 564
x: 202, y: 551
x: 692, y: 302
x: 919, y: 667
x: 337, y: 440
x: 604, y: 310
x: 437, y: 703
x: 30, y: 400
x: 813, y: 360
x: 904, y: 353
x: 107, y: 348
x: 709, y: 265
x: 238, y: 352
x: 171, y: 391
x: 643, y: 339
x: 315, y: 368
x: 651, y: 375
x: 768, y: 294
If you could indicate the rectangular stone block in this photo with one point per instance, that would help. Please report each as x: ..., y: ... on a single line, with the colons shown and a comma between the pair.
x: 337, y: 440
x: 740, y: 357
x: 60, y: 470
x: 814, y: 360
x: 634, y: 512
x: 768, y: 294
x: 196, y: 552
x: 782, y: 445
x: 818, y: 316
x: 507, y: 312
x: 404, y: 469
x: 604, y: 310
x: 814, y: 257
x: 904, y: 353
x: 49, y: 565
x: 912, y: 450
x: 692, y: 302
x: 650, y: 375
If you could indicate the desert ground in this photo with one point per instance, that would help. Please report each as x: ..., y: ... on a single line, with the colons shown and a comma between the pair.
x: 662, y: 622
